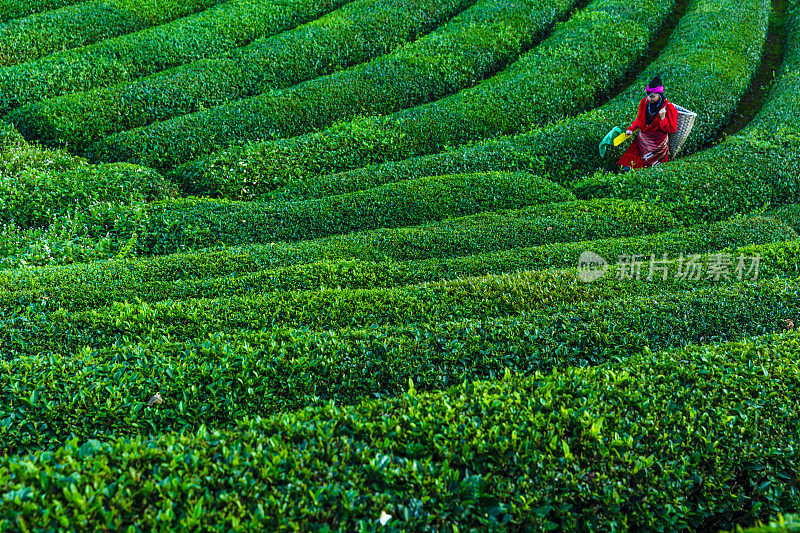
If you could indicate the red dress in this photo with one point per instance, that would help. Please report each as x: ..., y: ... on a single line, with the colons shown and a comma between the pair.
x: 650, y: 146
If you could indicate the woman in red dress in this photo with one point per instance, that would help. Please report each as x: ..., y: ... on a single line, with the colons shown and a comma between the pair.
x: 657, y: 118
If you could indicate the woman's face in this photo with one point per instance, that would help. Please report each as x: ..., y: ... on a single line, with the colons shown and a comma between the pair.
x: 653, y: 97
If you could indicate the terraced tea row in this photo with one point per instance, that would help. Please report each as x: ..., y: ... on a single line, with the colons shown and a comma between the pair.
x: 505, y: 453
x: 476, y: 43
x: 545, y: 319
x: 701, y: 48
x: 539, y: 88
x: 35, y: 36
x: 42, y: 187
x: 212, y: 33
x: 187, y: 224
x: 167, y: 228
x: 356, y: 262
x: 12, y: 9
x: 31, y: 327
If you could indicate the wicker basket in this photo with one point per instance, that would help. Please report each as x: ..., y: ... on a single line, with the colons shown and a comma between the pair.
x: 686, y: 120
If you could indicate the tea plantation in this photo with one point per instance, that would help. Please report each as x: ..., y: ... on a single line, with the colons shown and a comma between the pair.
x: 359, y: 265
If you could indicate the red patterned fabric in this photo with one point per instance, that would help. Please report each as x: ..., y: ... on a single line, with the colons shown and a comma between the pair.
x: 650, y: 145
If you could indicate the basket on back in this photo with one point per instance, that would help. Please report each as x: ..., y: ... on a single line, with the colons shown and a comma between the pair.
x: 686, y: 120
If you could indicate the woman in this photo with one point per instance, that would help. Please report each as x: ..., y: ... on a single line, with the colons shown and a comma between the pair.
x: 657, y: 118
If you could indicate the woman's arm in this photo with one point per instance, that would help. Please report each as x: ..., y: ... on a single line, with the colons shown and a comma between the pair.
x: 670, y: 122
x: 639, y: 116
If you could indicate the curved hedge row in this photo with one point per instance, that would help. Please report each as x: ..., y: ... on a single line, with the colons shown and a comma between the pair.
x: 211, y: 33
x: 707, y: 66
x: 32, y: 326
x: 601, y: 42
x: 12, y: 9
x: 204, y: 222
x: 221, y: 274
x: 454, y: 56
x: 181, y: 225
x: 758, y: 166
x: 665, y: 443
x: 38, y: 187
x: 285, y: 369
x: 109, y: 230
x: 115, y: 231
x: 790, y: 213
x: 85, y: 23
x: 352, y: 34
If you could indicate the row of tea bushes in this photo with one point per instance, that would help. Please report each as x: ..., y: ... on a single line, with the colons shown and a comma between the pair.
x: 664, y: 443
x: 37, y: 327
x: 229, y: 371
x: 701, y: 49
x: 211, y: 33
x: 333, y: 264
x: 179, y: 225
x: 80, y: 24
x: 789, y: 213
x: 12, y: 9
x: 218, y: 377
x: 206, y: 222
x: 707, y: 66
x: 39, y: 187
x: 454, y: 56
x: 602, y: 41
x: 757, y: 167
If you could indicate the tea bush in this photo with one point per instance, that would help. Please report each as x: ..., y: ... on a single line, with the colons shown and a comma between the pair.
x: 214, y: 32
x: 12, y: 9
x: 168, y: 227
x: 338, y: 263
x: 665, y: 442
x: 172, y: 225
x: 85, y: 23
